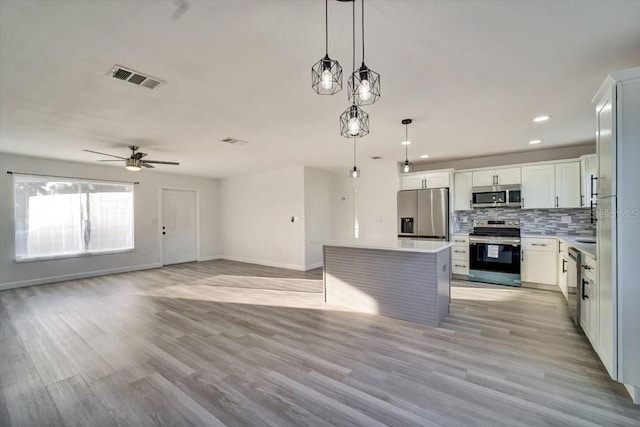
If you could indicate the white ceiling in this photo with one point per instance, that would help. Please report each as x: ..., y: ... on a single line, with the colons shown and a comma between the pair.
x: 472, y: 75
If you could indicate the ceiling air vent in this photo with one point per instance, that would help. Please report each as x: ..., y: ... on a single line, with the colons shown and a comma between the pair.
x: 138, y: 79
x: 234, y: 141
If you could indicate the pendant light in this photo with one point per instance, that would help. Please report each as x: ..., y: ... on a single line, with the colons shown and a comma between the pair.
x: 364, y: 83
x: 354, y: 172
x: 354, y: 121
x: 326, y: 74
x: 407, y: 166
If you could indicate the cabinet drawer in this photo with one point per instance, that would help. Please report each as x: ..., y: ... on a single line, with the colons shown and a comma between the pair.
x: 460, y: 253
x: 539, y: 244
x: 460, y: 267
x: 460, y: 239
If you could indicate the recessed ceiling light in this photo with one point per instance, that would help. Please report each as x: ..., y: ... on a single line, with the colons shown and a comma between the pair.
x: 541, y: 119
x: 424, y: 156
x: 405, y: 142
x: 535, y: 141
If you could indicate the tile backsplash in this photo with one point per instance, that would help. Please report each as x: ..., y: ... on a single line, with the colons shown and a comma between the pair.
x: 532, y: 221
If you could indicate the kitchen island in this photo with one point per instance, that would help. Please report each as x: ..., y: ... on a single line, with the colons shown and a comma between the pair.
x: 403, y: 279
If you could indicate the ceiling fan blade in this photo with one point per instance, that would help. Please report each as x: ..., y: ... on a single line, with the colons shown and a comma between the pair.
x: 146, y: 165
x: 105, y: 154
x: 161, y: 163
x: 119, y: 160
x: 138, y: 156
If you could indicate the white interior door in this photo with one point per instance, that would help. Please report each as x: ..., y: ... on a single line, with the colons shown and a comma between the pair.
x: 178, y: 226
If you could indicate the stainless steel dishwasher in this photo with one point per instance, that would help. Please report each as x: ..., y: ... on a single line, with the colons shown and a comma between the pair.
x: 574, y: 286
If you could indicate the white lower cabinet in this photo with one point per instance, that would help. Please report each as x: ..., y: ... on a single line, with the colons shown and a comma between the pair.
x: 590, y: 302
x: 460, y: 254
x: 538, y: 260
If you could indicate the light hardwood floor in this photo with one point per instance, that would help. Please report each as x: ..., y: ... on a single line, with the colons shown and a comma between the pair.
x: 225, y: 343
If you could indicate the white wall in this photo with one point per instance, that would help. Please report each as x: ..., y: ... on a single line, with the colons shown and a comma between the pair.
x: 256, y: 211
x: 148, y: 243
x: 317, y: 213
x: 376, y: 200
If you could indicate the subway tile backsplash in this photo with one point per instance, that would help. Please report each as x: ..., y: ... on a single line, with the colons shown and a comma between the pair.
x: 532, y: 221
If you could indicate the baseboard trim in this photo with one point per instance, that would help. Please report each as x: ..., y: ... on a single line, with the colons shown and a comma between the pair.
x: 210, y: 258
x: 634, y: 392
x: 541, y: 286
x: 265, y: 263
x: 314, y: 266
x: 75, y: 276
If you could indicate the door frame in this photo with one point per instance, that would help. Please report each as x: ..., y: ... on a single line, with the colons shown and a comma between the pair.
x: 161, y: 219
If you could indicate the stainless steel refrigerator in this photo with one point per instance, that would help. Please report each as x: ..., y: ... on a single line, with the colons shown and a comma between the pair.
x: 423, y: 214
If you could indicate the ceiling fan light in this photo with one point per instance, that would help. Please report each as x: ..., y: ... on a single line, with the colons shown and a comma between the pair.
x: 133, y: 165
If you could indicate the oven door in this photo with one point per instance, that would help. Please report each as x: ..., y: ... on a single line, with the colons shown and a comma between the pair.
x: 494, y: 261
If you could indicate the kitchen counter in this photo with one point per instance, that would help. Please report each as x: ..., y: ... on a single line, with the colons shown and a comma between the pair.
x: 403, y: 279
x: 424, y: 246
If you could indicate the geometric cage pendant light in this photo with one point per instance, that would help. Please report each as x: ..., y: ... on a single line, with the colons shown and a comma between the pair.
x: 407, y: 166
x: 364, y: 83
x: 326, y: 74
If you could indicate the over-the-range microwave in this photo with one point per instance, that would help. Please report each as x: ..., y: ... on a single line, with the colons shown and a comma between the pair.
x: 497, y: 196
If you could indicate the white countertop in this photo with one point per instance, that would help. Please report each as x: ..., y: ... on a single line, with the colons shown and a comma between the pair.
x: 424, y: 246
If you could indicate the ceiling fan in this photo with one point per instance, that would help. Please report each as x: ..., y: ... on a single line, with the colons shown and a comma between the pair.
x: 135, y: 162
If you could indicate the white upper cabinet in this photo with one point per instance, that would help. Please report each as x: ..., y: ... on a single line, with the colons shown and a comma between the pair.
x: 484, y: 178
x: 424, y: 180
x: 568, y: 185
x: 506, y: 176
x: 538, y: 186
x: 462, y: 182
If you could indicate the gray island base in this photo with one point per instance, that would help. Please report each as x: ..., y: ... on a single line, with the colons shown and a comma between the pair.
x: 403, y: 279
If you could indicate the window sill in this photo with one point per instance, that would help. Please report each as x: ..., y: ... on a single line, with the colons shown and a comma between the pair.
x: 82, y: 255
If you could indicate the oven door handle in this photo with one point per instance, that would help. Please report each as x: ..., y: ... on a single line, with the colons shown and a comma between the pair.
x: 489, y: 240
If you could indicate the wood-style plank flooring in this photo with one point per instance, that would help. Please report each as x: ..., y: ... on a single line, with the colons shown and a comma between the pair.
x: 226, y: 343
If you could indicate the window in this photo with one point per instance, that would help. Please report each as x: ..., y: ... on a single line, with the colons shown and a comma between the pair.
x: 56, y: 218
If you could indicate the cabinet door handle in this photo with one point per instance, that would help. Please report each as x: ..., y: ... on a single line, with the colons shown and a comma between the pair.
x: 521, y: 255
x: 522, y: 204
x: 458, y: 265
x: 460, y: 252
x: 538, y: 244
x: 470, y: 206
x: 582, y: 200
x: 586, y: 267
x: 592, y: 179
x: 585, y: 283
x: 564, y: 263
x: 559, y: 247
x: 556, y: 201
x: 460, y: 241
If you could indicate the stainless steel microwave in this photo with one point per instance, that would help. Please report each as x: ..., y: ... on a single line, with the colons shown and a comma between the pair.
x: 497, y: 196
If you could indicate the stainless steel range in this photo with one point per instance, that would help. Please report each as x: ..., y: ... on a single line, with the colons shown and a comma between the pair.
x: 494, y: 252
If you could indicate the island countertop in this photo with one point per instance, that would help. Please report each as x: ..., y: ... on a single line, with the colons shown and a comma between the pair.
x: 406, y: 245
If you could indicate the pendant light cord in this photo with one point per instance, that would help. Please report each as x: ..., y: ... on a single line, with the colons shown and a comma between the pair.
x: 406, y: 146
x: 354, y: 37
x: 362, y: 31
x: 354, y: 151
x: 326, y: 27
